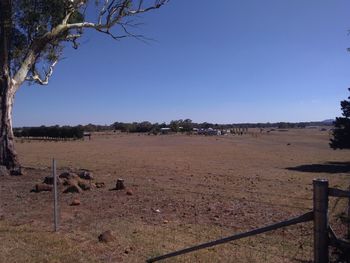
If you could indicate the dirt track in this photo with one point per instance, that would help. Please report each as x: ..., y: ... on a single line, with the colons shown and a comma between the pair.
x: 203, y: 188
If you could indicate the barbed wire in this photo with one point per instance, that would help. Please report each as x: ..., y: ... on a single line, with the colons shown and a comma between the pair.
x: 300, y: 244
x: 230, y: 197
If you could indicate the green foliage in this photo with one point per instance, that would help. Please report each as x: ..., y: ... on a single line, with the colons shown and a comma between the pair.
x: 187, y: 125
x: 181, y: 125
x: 51, y: 132
x: 95, y: 128
x: 174, y: 126
x: 32, y: 19
x: 341, y: 132
x: 145, y: 126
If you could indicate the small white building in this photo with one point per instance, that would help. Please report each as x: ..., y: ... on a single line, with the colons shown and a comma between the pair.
x: 165, y: 130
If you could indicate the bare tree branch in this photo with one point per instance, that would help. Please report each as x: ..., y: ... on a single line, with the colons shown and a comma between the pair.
x: 111, y: 14
x: 73, y: 38
x: 158, y: 4
x: 103, y: 11
x: 35, y: 76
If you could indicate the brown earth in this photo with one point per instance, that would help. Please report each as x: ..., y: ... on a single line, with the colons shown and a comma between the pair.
x: 184, y: 190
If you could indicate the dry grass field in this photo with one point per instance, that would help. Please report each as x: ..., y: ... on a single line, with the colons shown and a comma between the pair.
x: 186, y: 190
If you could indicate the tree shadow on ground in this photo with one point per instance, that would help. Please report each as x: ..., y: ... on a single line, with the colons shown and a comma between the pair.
x: 328, y: 167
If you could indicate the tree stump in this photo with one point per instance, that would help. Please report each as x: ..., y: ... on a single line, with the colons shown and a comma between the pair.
x: 120, y: 184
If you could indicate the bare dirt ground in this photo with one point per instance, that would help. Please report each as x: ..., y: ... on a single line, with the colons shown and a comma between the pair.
x: 186, y: 190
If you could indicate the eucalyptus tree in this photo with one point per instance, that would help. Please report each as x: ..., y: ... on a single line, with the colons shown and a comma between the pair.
x: 33, y: 34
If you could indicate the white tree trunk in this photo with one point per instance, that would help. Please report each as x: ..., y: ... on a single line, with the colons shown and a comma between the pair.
x: 111, y: 14
x: 8, y: 156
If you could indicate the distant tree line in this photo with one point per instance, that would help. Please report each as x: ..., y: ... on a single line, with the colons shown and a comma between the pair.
x: 133, y: 127
x: 181, y: 125
x: 175, y: 126
x: 187, y: 125
x: 76, y: 132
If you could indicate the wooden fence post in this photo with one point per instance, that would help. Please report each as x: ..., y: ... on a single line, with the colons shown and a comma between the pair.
x: 55, y: 198
x: 320, y: 188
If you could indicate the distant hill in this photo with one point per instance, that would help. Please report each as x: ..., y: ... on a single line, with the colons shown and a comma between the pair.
x: 328, y: 121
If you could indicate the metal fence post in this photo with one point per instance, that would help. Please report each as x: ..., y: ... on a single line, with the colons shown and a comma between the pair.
x: 320, y: 188
x: 55, y: 201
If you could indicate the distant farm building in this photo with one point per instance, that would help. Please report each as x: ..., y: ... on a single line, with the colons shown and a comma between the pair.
x: 165, y: 130
x: 209, y: 131
x: 87, y: 134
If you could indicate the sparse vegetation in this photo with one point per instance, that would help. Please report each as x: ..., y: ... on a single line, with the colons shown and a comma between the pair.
x: 186, y: 190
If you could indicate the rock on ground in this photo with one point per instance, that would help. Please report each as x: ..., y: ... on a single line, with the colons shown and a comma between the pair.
x: 74, y: 188
x: 85, y: 175
x: 75, y: 202
x: 100, y: 185
x: 106, y: 236
x: 68, y: 175
x: 43, y: 188
x: 49, y: 180
x: 84, y: 185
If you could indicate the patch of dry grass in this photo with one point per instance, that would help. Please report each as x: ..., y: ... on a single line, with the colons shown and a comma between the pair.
x: 204, y: 187
x: 26, y: 244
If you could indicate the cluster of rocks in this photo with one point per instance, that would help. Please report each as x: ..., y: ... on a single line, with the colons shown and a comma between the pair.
x: 76, y: 183
x: 72, y: 182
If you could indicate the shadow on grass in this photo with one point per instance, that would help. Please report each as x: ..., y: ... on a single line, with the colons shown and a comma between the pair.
x: 328, y: 167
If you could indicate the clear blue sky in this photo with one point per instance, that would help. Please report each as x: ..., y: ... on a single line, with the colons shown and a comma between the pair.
x: 221, y: 61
